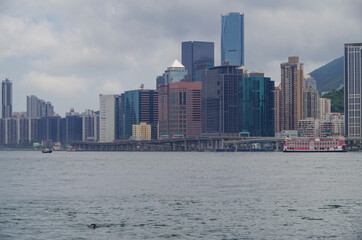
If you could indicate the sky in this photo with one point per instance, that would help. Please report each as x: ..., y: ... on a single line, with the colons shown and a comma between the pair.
x: 68, y: 52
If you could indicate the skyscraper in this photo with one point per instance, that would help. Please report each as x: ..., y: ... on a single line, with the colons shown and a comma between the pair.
x: 109, y: 117
x: 277, y: 108
x: 291, y: 93
x: 196, y: 56
x: 36, y: 107
x: 232, y: 39
x: 6, y: 98
x: 220, y: 100
x: 180, y: 109
x: 310, y: 103
x: 256, y: 105
x: 175, y: 73
x: 352, y: 89
x: 139, y: 106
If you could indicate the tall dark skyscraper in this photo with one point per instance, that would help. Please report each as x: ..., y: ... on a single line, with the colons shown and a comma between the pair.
x: 353, y: 89
x: 232, y: 39
x: 196, y: 56
x: 6, y: 98
x: 220, y: 100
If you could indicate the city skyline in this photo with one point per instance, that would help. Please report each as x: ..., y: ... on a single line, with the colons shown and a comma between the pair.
x: 54, y: 54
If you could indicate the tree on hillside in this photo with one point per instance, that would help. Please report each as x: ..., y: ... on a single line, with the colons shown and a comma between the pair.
x: 337, y: 100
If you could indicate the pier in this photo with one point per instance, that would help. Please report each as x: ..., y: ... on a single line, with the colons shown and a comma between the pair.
x: 197, y: 144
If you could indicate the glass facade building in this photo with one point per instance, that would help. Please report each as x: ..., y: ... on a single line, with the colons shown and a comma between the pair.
x: 196, y: 56
x: 256, y: 105
x: 220, y: 100
x: 310, y: 103
x: 352, y: 89
x: 139, y: 106
x: 232, y: 39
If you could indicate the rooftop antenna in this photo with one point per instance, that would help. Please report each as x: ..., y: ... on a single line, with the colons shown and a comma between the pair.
x: 142, y: 86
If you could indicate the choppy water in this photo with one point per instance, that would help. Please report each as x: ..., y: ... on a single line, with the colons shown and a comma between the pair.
x: 180, y: 195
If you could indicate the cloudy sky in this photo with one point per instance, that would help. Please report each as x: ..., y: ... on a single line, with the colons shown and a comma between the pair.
x: 68, y: 52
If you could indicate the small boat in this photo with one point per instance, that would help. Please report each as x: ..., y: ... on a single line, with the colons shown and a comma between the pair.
x: 46, y: 150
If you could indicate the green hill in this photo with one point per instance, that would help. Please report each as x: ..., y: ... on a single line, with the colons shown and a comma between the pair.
x: 337, y: 100
x: 330, y: 76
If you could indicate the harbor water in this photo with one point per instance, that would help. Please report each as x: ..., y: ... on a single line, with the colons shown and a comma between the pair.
x: 180, y: 195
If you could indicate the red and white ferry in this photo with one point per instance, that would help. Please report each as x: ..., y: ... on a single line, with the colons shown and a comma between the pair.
x: 315, y: 145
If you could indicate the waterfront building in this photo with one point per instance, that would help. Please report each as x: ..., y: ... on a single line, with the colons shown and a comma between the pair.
x: 196, y: 56
x: 141, y: 131
x: 6, y: 98
x: 2, y: 131
x: 71, y: 128
x: 310, y: 103
x: 11, y: 131
x: 352, y: 89
x: 109, y: 117
x: 139, y: 106
x: 36, y: 107
x: 309, y: 82
x: 309, y: 127
x: 90, y: 124
x: 291, y: 93
x: 220, y: 101
x: 180, y: 109
x: 232, y: 39
x: 337, y: 123
x: 256, y: 105
x: 277, y: 108
x: 324, y: 107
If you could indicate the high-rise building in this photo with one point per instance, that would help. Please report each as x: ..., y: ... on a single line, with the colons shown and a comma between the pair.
x: 310, y: 103
x: 324, y: 107
x: 109, y: 117
x: 179, y: 109
x: 291, y: 93
x: 139, y: 106
x: 277, y: 108
x: 220, y: 100
x: 352, y: 89
x: 196, y: 56
x: 90, y: 125
x: 309, y: 82
x: 232, y: 39
x: 256, y: 105
x: 175, y: 73
x: 36, y: 107
x: 6, y: 98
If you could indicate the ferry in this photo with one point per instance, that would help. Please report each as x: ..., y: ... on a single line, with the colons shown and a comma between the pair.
x: 315, y: 145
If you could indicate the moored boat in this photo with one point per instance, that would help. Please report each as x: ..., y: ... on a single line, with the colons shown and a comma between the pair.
x: 315, y: 145
x: 46, y: 150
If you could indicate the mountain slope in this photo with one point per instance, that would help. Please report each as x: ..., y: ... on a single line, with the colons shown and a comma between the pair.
x: 337, y: 100
x: 330, y: 76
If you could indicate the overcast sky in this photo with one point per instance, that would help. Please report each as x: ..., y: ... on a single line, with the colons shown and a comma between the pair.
x: 68, y: 52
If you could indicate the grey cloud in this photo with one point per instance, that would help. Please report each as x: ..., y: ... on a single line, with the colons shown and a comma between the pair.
x: 119, y: 44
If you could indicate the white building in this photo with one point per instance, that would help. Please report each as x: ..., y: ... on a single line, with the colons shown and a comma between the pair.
x: 324, y: 107
x: 108, y: 118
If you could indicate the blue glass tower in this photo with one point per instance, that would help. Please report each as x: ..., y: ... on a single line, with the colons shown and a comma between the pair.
x: 256, y: 105
x: 232, y: 39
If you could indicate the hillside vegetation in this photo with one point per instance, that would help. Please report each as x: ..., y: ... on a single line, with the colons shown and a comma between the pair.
x: 337, y: 100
